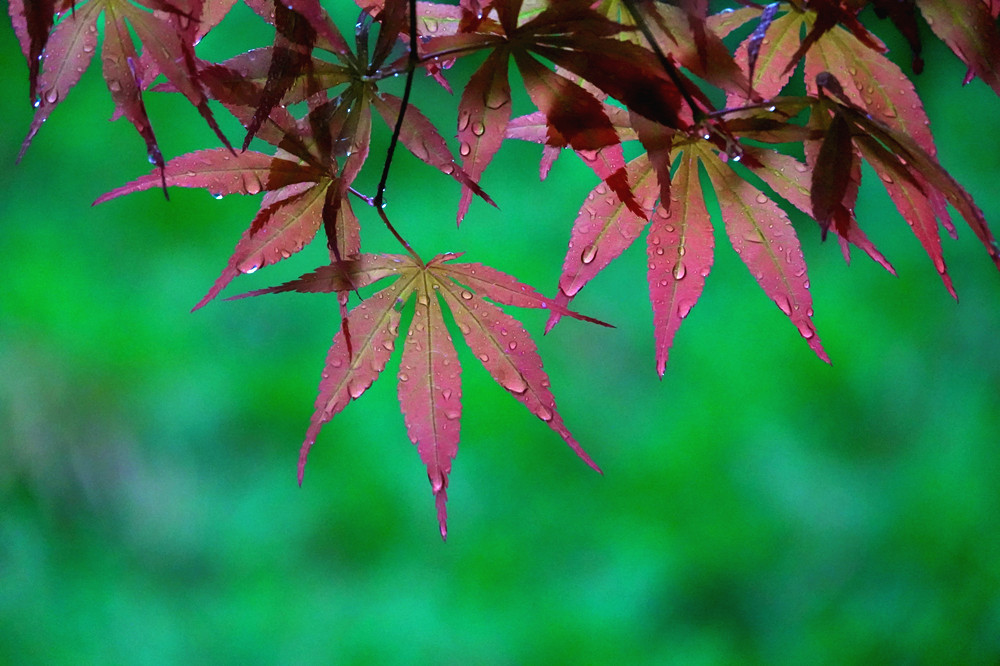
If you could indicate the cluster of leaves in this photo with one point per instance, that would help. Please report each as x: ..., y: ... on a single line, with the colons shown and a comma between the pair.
x: 600, y: 74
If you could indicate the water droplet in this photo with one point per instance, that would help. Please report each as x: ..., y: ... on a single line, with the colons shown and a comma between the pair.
x: 684, y: 308
x: 430, y: 25
x: 389, y: 345
x: 679, y: 270
x: 250, y: 269
x: 485, y: 358
x: 423, y: 300
x: 453, y: 414
x: 784, y: 304
x: 515, y: 384
x: 761, y: 198
x: 356, y: 390
x: 463, y: 120
x: 464, y: 149
x: 478, y: 128
x: 464, y: 328
x: 589, y: 253
x: 544, y: 413
x: 403, y: 377
x: 806, y: 329
x: 886, y: 177
x: 446, y: 393
x: 114, y: 86
x: 52, y: 96
x: 512, y: 346
x: 466, y: 294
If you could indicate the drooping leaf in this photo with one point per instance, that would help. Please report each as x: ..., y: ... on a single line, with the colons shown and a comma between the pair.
x: 429, y: 375
x: 221, y: 173
x: 32, y: 21
x: 764, y: 238
x: 174, y: 59
x: 792, y: 179
x: 119, y: 61
x: 430, y: 391
x: 970, y: 30
x: 291, y: 58
x: 280, y: 230
x: 831, y: 180
x: 68, y: 53
x: 483, y: 115
x: 680, y: 252
x: 604, y: 228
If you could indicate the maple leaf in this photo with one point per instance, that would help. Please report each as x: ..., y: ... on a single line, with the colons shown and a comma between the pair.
x: 429, y: 376
x: 298, y: 200
x: 969, y: 29
x: 69, y: 50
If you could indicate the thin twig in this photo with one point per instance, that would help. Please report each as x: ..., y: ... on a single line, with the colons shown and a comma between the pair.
x: 411, y: 66
x: 378, y: 202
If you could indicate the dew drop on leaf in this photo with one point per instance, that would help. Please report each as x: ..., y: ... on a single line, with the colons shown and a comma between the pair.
x: 484, y: 358
x: 589, y: 254
x: 466, y: 294
x: 478, y: 128
x: 451, y: 415
x: 679, y: 270
x: 784, y: 304
x: 544, y: 413
x: 515, y: 384
x: 446, y: 393
x: 464, y: 149
x: 251, y: 183
x: 761, y: 198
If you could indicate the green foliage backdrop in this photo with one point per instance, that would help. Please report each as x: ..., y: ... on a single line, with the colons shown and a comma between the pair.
x: 758, y: 506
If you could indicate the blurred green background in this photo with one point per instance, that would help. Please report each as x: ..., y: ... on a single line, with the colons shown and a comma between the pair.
x: 758, y: 506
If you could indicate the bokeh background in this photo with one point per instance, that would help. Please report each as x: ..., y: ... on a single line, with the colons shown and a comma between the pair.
x: 758, y: 505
